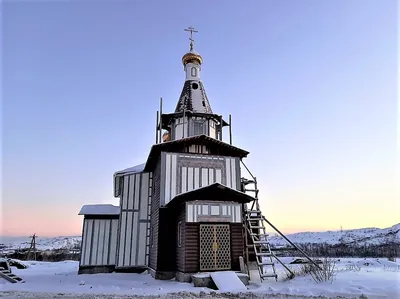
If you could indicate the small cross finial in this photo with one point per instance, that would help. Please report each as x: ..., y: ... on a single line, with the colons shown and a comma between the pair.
x: 191, y: 30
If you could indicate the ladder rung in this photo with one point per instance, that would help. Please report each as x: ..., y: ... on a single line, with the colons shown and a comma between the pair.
x: 263, y: 254
x: 260, y: 242
x: 253, y: 213
x: 252, y: 245
x: 265, y: 263
x: 254, y: 219
x: 263, y: 235
x: 252, y: 227
x: 268, y: 275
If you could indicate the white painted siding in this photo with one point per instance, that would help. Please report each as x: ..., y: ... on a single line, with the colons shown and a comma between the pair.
x: 181, y: 128
x: 186, y: 172
x: 170, y: 177
x: 231, y: 177
x: 213, y: 211
x: 98, y: 243
x: 134, y: 222
x: 113, y: 240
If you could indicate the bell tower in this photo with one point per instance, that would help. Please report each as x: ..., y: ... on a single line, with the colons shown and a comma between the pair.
x: 193, y: 115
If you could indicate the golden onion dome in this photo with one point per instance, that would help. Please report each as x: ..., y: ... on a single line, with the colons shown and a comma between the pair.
x: 192, y: 56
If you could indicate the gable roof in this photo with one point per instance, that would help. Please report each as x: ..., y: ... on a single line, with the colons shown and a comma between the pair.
x: 178, y: 145
x: 214, y: 191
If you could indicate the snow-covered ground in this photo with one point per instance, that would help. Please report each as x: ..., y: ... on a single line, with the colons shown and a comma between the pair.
x: 376, y: 278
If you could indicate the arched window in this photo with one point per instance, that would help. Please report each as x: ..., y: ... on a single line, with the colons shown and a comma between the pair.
x: 193, y: 72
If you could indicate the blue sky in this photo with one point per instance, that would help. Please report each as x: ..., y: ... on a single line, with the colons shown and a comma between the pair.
x: 311, y: 86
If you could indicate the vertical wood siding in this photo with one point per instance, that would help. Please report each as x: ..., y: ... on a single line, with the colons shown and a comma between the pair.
x: 237, y: 244
x: 180, y: 250
x: 134, y: 221
x: 99, y: 242
x: 187, y: 256
x: 192, y: 246
x: 166, y: 240
x: 154, y: 217
x: 186, y: 172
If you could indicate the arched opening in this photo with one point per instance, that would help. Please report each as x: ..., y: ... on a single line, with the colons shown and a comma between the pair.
x: 193, y: 72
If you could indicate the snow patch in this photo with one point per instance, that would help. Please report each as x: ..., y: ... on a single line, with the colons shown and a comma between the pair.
x: 99, y: 209
x: 131, y: 170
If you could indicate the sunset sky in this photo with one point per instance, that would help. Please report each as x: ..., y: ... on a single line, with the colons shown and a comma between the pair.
x: 311, y: 86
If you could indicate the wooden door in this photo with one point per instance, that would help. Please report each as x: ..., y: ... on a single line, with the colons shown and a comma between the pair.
x: 215, y: 247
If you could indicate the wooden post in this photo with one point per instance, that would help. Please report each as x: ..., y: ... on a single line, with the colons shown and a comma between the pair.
x: 183, y: 123
x: 34, y: 246
x: 157, y: 128
x: 230, y: 129
x: 221, y: 126
x: 160, y: 128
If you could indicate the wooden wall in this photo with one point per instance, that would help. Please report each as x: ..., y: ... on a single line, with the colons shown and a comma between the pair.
x: 185, y: 172
x: 99, y: 241
x: 237, y: 244
x: 187, y: 254
x: 154, y: 217
x: 134, y: 225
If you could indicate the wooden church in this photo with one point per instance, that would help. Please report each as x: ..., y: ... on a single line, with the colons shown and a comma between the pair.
x: 187, y: 208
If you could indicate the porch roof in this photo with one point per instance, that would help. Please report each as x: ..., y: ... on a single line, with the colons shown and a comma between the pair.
x: 214, y: 191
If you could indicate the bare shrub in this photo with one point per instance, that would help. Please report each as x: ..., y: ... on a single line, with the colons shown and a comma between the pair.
x: 325, y: 271
x: 353, y: 267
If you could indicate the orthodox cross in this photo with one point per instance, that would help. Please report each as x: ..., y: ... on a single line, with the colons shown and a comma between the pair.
x: 191, y: 30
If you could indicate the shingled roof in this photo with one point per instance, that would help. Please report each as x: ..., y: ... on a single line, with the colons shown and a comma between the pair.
x: 193, y: 98
x: 218, y: 147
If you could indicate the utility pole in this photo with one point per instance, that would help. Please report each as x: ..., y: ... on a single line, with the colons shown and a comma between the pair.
x: 33, y: 246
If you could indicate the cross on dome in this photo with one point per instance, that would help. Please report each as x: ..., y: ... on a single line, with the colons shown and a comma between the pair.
x: 191, y: 30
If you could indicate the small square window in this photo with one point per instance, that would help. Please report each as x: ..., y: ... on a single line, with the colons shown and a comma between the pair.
x: 204, y: 209
x: 214, y: 210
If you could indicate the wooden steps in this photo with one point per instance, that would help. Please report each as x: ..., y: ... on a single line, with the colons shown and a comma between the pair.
x: 9, y: 276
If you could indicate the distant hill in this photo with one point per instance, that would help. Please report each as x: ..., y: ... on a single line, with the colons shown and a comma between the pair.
x: 356, y: 237
x: 10, y: 244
